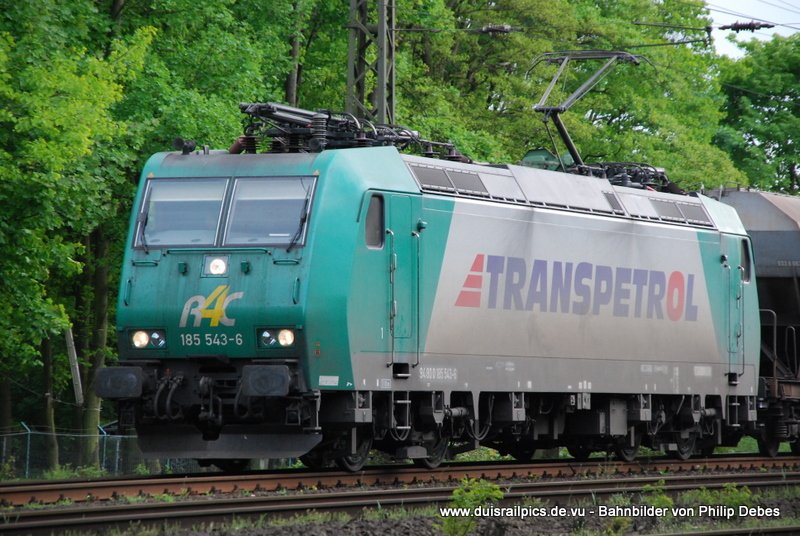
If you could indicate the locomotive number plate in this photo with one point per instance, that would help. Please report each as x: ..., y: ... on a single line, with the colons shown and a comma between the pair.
x: 211, y: 339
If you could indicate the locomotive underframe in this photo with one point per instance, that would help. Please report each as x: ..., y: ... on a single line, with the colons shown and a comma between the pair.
x: 414, y: 424
x: 215, y: 409
x: 235, y: 410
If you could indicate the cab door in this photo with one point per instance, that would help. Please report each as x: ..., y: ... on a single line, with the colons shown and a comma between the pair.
x: 403, y: 262
x: 736, y: 264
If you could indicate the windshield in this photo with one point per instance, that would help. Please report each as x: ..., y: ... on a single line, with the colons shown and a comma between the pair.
x: 181, y: 212
x: 190, y: 212
x: 268, y: 211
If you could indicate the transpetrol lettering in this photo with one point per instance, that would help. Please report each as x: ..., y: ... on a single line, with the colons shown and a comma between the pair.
x: 580, y: 288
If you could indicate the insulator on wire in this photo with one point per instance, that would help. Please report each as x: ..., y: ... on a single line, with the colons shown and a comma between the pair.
x: 751, y: 26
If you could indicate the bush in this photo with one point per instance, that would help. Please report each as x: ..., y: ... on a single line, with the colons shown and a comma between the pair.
x: 468, y: 495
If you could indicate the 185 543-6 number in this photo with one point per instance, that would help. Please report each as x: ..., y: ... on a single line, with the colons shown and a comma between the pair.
x: 211, y: 339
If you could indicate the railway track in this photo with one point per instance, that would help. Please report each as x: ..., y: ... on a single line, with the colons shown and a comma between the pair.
x: 205, y: 498
x: 202, y: 509
x: 49, y: 492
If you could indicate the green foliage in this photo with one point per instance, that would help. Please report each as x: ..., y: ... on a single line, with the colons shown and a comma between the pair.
x: 730, y: 495
x: 654, y: 495
x: 618, y: 526
x: 481, y: 454
x: 141, y: 470
x: 7, y: 471
x: 620, y: 499
x: 534, y: 502
x: 56, y: 109
x: 469, y: 494
x: 381, y: 514
x: 67, y: 472
x: 763, y: 112
x: 310, y: 518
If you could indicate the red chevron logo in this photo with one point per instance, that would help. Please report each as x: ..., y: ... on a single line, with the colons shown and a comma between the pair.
x: 470, y: 295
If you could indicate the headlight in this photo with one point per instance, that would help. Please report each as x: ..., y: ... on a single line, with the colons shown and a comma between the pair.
x: 215, y: 265
x: 286, y: 337
x: 275, y: 338
x: 140, y: 339
x: 154, y: 338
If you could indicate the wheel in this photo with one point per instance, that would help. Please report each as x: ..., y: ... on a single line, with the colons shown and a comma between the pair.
x: 522, y: 453
x: 239, y: 465
x: 769, y: 446
x: 581, y: 454
x: 314, y: 459
x: 436, y: 454
x: 355, y: 462
x: 625, y: 451
x: 685, y: 448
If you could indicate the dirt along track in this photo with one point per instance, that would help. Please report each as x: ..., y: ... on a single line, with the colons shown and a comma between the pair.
x: 88, y: 505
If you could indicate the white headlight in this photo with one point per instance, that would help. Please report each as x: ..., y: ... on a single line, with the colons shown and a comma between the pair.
x: 286, y: 337
x: 217, y: 266
x: 140, y: 339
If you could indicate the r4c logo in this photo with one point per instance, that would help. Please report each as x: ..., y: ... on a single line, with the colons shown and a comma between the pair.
x: 200, y: 307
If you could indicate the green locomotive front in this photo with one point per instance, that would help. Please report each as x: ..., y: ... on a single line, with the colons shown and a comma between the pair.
x: 213, y: 314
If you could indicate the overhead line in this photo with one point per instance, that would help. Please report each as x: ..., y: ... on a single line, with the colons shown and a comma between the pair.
x: 720, y: 9
x: 780, y: 7
x: 732, y: 86
x: 787, y: 3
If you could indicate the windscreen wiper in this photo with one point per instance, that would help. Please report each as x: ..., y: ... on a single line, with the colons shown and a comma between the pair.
x: 303, y: 218
x: 143, y: 221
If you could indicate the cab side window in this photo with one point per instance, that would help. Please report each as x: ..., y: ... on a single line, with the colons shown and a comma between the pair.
x: 746, y: 261
x: 374, y: 226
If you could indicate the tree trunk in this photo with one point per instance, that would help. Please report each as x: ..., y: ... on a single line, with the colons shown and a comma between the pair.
x: 51, y: 441
x: 293, y: 78
x: 97, y: 349
x: 6, y: 415
x: 116, y: 9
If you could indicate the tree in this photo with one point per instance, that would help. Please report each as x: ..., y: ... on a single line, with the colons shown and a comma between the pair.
x: 55, y: 107
x: 761, y: 131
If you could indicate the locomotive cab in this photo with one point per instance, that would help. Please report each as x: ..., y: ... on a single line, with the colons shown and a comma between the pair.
x: 210, y: 319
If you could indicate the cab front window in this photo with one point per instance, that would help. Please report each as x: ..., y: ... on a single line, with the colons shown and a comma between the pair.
x: 268, y: 211
x: 181, y: 212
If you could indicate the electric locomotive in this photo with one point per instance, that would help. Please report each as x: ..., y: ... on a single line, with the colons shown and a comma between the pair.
x: 332, y: 295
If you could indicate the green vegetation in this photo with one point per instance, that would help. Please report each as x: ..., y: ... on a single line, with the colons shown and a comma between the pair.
x: 381, y: 514
x: 481, y: 454
x: 309, y: 518
x: 67, y: 472
x: 730, y: 495
x: 655, y: 495
x: 469, y: 494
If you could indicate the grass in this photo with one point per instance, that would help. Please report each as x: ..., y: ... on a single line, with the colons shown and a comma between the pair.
x: 67, y: 472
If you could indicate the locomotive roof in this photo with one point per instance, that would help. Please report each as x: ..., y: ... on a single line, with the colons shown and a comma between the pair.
x: 509, y: 184
x: 537, y: 187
